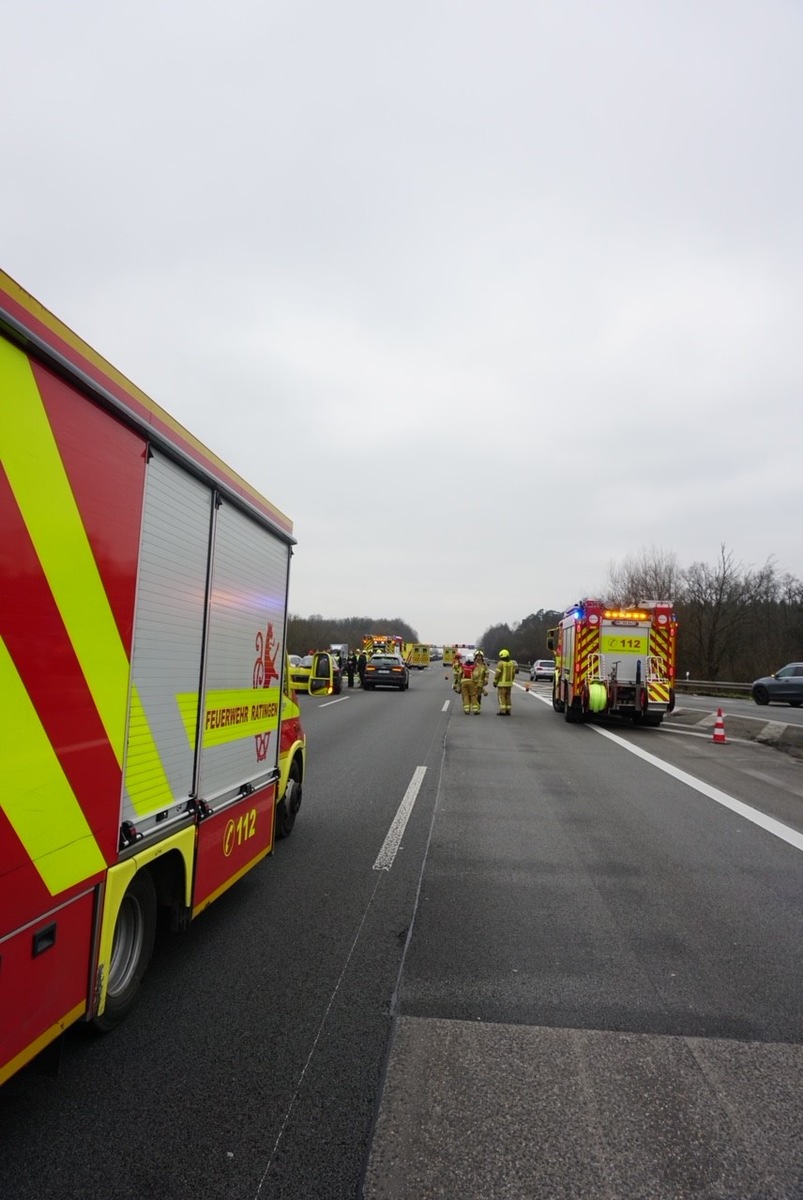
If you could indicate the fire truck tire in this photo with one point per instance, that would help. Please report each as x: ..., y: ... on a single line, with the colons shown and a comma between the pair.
x: 289, y: 804
x: 132, y: 948
x: 557, y: 704
x: 571, y: 712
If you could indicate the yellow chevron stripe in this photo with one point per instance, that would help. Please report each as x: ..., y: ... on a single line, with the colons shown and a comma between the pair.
x: 43, y: 493
x: 231, y: 714
x: 42, y: 490
x: 36, y: 796
x: 145, y: 780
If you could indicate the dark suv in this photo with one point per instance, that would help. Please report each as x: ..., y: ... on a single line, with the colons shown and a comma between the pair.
x: 785, y: 686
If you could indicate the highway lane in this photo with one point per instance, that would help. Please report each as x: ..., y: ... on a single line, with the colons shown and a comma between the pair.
x: 251, y: 1065
x: 759, y: 775
x: 552, y: 894
x: 602, y: 995
x: 743, y: 706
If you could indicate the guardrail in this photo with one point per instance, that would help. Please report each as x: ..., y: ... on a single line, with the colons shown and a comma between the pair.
x: 705, y: 687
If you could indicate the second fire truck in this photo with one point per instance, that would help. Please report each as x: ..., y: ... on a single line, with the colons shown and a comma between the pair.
x: 615, y: 660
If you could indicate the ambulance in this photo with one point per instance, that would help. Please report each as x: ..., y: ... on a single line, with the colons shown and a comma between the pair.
x: 416, y: 655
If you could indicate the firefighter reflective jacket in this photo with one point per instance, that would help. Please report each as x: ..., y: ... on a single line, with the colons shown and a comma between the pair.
x: 505, y: 673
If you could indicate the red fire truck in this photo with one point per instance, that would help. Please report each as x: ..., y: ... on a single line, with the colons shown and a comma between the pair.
x: 616, y: 660
x: 150, y: 743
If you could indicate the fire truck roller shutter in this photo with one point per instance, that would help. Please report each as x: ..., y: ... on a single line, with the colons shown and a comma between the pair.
x: 174, y: 557
x: 244, y: 649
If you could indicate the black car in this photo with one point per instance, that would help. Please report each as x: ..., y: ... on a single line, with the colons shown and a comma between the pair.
x: 785, y: 686
x: 386, y: 670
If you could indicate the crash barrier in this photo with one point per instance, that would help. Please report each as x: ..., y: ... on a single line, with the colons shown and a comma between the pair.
x: 704, y: 687
x: 707, y: 687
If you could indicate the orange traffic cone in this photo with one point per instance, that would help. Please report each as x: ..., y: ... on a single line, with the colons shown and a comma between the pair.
x: 719, y: 729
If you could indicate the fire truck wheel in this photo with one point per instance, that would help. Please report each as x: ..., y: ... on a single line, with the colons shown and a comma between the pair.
x: 571, y: 712
x: 131, y: 950
x: 289, y: 804
x: 557, y: 704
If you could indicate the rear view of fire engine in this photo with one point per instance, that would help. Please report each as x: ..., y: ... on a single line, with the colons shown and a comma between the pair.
x: 615, y: 661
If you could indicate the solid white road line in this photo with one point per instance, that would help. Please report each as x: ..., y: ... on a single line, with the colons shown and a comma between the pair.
x: 776, y: 828
x: 391, y: 843
x: 337, y: 701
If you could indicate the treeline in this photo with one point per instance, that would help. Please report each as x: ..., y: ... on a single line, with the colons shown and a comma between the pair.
x: 735, y: 623
x: 526, y: 640
x: 305, y: 634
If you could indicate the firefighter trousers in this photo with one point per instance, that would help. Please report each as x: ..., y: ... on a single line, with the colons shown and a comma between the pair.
x: 468, y: 690
x: 503, y: 695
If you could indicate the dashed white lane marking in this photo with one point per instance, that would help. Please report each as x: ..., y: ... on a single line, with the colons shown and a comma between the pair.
x: 390, y: 845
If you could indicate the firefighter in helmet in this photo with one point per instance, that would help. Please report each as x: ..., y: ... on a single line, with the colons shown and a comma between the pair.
x: 504, y: 675
x: 457, y: 671
x: 468, y: 686
x: 480, y: 678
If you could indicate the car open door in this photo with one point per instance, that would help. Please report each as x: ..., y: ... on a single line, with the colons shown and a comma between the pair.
x: 322, y: 675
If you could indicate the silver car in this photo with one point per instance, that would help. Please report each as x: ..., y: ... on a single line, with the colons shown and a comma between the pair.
x: 542, y: 668
x: 785, y: 686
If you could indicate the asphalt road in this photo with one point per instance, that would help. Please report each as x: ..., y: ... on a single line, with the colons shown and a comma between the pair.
x: 744, y: 706
x: 575, y: 972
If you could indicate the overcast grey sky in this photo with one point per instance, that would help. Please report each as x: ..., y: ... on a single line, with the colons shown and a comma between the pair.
x: 484, y: 294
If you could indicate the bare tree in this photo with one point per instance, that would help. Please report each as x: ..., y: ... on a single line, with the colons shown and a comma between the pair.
x: 652, y: 574
x: 717, y: 610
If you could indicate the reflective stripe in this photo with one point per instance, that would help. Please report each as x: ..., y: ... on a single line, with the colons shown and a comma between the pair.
x: 146, y: 783
x: 44, y: 1039
x: 37, y: 797
x: 231, y: 714
x: 42, y: 490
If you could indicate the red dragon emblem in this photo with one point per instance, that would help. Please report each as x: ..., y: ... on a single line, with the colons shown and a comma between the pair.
x: 267, y: 648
